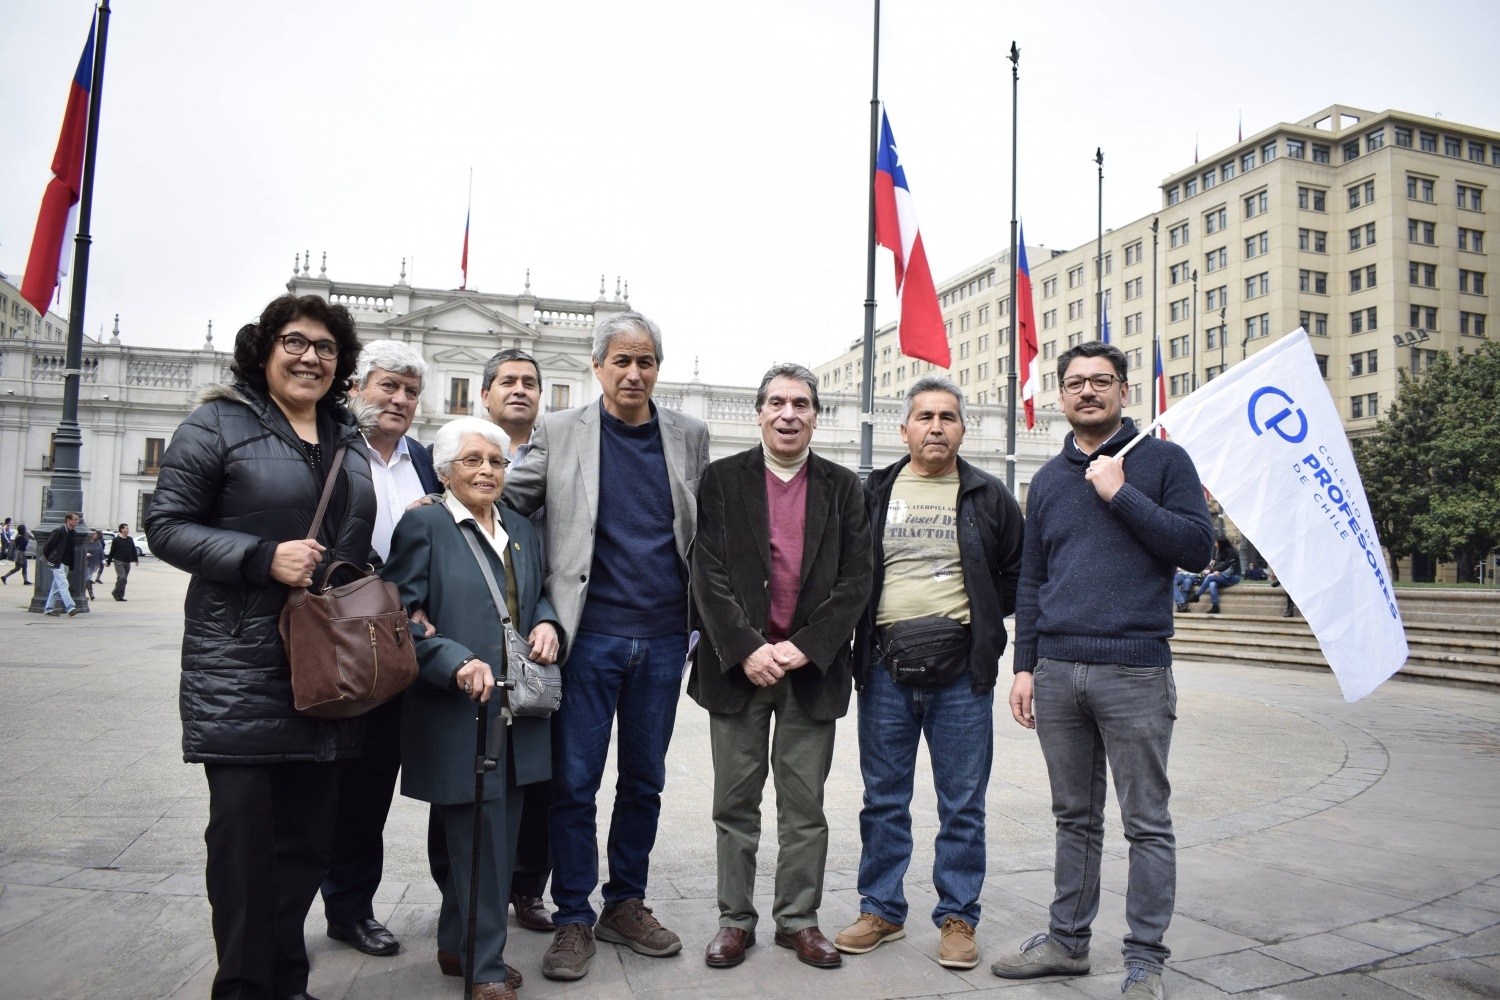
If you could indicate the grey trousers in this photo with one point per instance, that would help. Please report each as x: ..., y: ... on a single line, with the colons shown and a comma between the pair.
x: 798, y: 756
x: 1088, y: 714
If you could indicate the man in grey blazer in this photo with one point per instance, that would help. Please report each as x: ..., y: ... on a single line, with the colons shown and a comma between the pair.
x: 620, y: 481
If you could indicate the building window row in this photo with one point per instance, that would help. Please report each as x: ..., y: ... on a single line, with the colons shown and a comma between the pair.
x: 1216, y: 259
x: 1215, y: 220
x: 1361, y: 320
x: 1365, y: 191
x: 1361, y: 278
x: 1178, y: 235
x: 1363, y: 406
x: 1312, y: 240
x: 1315, y: 282
x: 1312, y: 199
x: 1258, y: 244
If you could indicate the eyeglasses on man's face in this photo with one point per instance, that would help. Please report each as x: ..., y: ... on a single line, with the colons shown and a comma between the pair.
x: 296, y: 344
x: 1101, y: 383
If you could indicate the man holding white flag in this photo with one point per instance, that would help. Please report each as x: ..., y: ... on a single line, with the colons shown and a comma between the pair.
x: 1267, y: 440
x: 1093, y: 670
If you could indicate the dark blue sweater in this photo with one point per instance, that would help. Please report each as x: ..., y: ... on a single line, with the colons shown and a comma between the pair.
x: 638, y: 584
x: 1096, y: 577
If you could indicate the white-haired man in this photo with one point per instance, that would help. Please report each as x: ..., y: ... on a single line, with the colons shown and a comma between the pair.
x: 387, y: 384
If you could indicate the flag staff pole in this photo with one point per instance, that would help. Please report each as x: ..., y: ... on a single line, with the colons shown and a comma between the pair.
x: 65, y: 488
x: 1155, y: 343
x: 867, y: 383
x: 1015, y: 277
x: 1099, y: 254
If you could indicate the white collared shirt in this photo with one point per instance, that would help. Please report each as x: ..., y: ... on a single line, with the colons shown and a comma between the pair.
x: 396, y: 487
x: 498, y: 541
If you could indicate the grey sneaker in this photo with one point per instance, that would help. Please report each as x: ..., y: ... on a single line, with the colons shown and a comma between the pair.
x: 1039, y: 956
x: 1142, y: 985
x: 630, y: 923
x: 568, y: 955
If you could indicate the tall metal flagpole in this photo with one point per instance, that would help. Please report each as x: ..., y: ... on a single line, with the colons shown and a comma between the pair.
x: 867, y: 383
x: 1010, y: 381
x: 1099, y: 254
x: 1155, y: 341
x: 65, y: 489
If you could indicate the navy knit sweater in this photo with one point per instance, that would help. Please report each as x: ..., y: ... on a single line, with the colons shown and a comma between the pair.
x: 1096, y: 577
x: 638, y: 584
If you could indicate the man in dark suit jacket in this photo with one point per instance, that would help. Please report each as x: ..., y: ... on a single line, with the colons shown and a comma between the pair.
x: 781, y: 574
x: 387, y: 384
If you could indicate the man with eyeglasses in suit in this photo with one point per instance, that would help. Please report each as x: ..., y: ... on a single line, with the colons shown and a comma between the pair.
x: 1093, y: 670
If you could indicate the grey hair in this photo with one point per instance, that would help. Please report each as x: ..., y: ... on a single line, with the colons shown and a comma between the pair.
x: 626, y: 322
x: 933, y: 383
x: 451, y: 435
x: 492, y: 366
x: 792, y: 370
x: 391, y: 355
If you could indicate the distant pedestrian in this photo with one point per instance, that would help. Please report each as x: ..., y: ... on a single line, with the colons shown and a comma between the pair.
x: 7, y: 539
x: 19, y: 546
x: 93, y: 560
x: 59, y: 552
x: 122, y: 555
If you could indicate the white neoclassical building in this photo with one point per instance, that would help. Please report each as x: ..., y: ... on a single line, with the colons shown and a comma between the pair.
x: 132, y: 398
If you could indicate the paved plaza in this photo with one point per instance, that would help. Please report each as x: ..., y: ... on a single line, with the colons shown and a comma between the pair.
x: 1325, y: 850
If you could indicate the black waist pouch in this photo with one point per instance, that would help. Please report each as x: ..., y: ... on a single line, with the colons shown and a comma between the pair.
x: 925, y: 652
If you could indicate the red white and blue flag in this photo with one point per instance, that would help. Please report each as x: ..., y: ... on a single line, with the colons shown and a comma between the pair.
x: 58, y: 217
x: 921, y: 325
x: 1031, y: 380
x: 1159, y: 384
x: 463, y: 262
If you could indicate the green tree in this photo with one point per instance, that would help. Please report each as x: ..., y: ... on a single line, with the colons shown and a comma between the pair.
x: 1432, y: 468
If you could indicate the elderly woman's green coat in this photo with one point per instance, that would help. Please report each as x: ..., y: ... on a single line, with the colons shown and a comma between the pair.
x: 434, y: 567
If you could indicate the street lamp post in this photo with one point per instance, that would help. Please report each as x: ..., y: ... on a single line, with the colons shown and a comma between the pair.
x: 1010, y: 378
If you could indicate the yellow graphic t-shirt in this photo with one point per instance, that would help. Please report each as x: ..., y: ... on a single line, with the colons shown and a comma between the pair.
x: 923, y: 575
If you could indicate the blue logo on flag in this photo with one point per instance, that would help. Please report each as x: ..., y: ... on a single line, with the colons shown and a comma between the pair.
x: 1274, y: 424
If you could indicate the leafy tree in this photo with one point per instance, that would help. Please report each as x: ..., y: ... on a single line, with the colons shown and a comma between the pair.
x: 1432, y: 468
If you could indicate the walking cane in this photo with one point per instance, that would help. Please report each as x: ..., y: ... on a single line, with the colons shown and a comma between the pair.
x: 487, y: 748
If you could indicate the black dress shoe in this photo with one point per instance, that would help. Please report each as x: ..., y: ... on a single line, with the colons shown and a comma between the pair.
x: 532, y: 913
x: 368, y: 935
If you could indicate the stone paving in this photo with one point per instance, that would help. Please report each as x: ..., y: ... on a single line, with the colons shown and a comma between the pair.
x: 1326, y: 850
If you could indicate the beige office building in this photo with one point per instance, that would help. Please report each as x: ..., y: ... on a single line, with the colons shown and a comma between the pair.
x: 1371, y: 230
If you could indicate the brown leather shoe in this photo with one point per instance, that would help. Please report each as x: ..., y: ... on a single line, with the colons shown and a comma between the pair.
x: 451, y: 966
x: 494, y: 991
x: 532, y: 913
x: 812, y: 948
x: 728, y: 948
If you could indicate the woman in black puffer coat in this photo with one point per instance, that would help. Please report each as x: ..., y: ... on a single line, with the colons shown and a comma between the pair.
x: 238, y: 488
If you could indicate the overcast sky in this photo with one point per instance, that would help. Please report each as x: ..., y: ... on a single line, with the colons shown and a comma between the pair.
x: 716, y: 154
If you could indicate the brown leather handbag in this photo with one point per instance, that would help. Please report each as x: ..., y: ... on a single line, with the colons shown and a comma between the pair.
x: 349, y: 646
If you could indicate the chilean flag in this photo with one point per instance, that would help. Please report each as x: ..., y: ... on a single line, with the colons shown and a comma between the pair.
x: 463, y: 262
x: 921, y: 324
x: 1159, y: 385
x: 58, y: 217
x: 1031, y: 379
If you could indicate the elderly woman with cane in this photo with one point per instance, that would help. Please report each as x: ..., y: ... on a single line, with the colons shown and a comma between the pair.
x: 462, y: 657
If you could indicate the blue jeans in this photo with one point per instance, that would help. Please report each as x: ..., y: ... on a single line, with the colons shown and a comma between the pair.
x: 1087, y: 714
x: 1215, y: 582
x: 639, y: 680
x: 59, y: 590
x: 1182, y: 586
x: 960, y: 733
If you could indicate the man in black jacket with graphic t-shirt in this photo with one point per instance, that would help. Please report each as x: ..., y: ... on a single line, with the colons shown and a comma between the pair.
x: 1093, y: 670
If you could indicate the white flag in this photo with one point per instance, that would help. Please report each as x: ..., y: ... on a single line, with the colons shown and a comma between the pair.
x: 1268, y: 443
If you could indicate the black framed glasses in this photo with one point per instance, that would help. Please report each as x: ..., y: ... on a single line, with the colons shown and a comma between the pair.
x: 1101, y: 383
x: 296, y: 344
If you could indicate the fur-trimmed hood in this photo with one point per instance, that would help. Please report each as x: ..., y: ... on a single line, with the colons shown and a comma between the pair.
x: 366, y: 415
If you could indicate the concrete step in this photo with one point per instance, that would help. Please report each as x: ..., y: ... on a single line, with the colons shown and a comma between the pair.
x: 1469, y: 640
x: 1300, y: 660
x: 1419, y: 606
